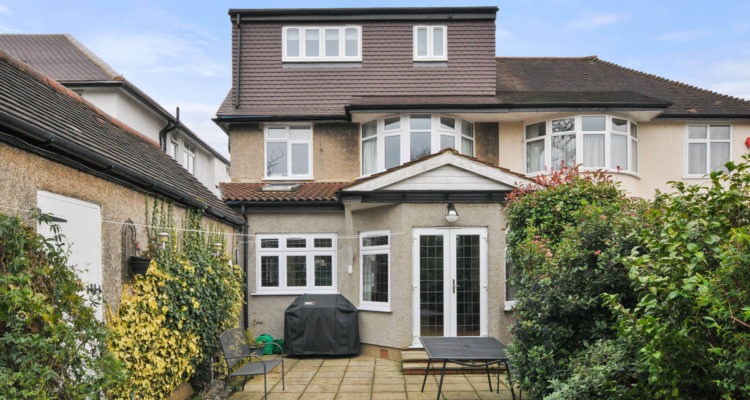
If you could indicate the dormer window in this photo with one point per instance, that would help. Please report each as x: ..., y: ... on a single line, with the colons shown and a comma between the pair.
x: 431, y: 43
x: 322, y: 43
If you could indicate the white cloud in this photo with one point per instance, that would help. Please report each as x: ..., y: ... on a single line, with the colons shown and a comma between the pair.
x: 681, y: 36
x: 596, y: 20
x: 733, y: 76
x: 155, y: 53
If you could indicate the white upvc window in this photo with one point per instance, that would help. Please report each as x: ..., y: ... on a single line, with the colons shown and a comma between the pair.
x: 391, y: 141
x: 188, y: 160
x: 430, y: 43
x: 172, y: 147
x: 295, y: 263
x: 708, y: 148
x: 288, y: 152
x: 593, y: 141
x: 375, y: 271
x: 321, y: 43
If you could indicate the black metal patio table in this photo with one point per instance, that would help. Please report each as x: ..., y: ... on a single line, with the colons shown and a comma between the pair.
x: 471, y: 351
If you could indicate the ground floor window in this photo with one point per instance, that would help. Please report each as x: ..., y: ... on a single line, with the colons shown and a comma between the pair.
x: 295, y: 263
x: 708, y: 149
x: 375, y: 271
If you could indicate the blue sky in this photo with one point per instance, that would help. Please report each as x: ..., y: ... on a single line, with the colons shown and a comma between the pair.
x: 179, y: 51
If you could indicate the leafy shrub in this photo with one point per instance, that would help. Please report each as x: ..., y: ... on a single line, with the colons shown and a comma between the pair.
x: 191, y: 292
x: 158, y: 358
x: 51, y: 345
x: 692, y: 277
x: 567, y: 241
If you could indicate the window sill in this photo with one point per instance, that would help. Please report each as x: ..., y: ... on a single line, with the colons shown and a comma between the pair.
x: 294, y: 292
x: 384, y: 309
x: 613, y: 172
x: 288, y: 178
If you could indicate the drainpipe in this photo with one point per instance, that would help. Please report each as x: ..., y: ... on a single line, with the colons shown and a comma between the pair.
x: 238, y: 64
x: 172, y: 124
x: 245, y: 251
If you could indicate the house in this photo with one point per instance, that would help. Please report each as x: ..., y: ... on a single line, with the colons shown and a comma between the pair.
x: 67, y: 61
x: 373, y: 149
x: 94, y: 174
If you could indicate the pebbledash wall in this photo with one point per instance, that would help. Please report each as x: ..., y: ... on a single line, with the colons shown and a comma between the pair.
x: 336, y: 150
x: 381, y: 329
x: 23, y: 174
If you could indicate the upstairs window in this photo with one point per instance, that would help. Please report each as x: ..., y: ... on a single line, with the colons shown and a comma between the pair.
x: 188, y: 160
x: 288, y: 152
x: 431, y: 43
x: 708, y: 149
x: 392, y: 141
x: 324, y: 44
x: 595, y: 141
x: 172, y: 147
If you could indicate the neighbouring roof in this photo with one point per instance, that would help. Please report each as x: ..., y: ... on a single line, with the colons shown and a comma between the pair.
x: 39, y: 114
x: 64, y: 59
x: 305, y: 192
x: 549, y: 80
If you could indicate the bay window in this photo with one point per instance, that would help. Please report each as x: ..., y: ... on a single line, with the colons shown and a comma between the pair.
x: 392, y: 141
x: 708, y: 149
x: 594, y: 141
x: 325, y: 44
x: 288, y: 152
x: 374, y: 250
x: 296, y: 263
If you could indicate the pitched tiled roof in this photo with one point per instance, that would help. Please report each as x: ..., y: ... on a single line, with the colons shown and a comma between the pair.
x: 69, y: 62
x: 59, y: 56
x: 306, y: 192
x: 44, y: 114
x: 544, y: 78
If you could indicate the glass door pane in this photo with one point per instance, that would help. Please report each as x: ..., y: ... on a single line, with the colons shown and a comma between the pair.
x: 431, y: 283
x: 466, y: 290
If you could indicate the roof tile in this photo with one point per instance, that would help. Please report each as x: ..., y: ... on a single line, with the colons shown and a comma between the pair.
x: 306, y: 192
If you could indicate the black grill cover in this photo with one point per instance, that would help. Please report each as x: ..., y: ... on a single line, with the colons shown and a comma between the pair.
x: 321, y: 324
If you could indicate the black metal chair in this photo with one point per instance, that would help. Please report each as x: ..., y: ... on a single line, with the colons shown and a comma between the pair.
x: 236, y: 350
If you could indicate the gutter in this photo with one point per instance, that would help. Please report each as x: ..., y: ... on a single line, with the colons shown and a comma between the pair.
x: 172, y: 124
x: 104, y: 165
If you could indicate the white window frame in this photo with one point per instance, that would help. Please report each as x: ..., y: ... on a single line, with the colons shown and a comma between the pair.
x: 374, y: 250
x: 342, y: 57
x: 404, y: 134
x: 188, y: 160
x: 282, y: 251
x: 579, y: 134
x: 289, y: 142
x: 430, y: 40
x: 708, y: 141
x: 172, y: 147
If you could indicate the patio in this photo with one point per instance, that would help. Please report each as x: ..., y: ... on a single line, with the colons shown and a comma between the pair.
x: 364, y: 377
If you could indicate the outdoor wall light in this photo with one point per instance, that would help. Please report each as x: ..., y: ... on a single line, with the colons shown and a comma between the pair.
x: 451, y: 215
x: 163, y: 238
x: 217, y: 247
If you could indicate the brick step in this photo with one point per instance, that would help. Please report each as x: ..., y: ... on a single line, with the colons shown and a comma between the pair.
x: 414, y: 362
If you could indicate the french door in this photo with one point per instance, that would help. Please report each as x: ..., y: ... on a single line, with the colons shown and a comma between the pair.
x: 450, y: 282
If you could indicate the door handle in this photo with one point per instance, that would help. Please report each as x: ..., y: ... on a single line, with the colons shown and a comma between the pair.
x: 455, y: 286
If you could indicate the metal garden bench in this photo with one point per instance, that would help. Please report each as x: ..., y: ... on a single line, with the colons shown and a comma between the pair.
x: 237, y: 351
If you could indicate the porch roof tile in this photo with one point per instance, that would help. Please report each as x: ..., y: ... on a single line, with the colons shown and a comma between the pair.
x: 305, y: 192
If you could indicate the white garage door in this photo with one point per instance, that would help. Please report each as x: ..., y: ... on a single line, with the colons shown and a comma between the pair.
x: 81, y: 223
